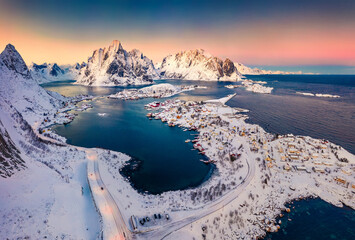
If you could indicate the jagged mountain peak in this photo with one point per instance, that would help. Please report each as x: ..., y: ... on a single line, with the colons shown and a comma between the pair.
x: 13, y: 61
x: 114, y: 66
x: 115, y: 46
x: 20, y: 90
x: 197, y: 64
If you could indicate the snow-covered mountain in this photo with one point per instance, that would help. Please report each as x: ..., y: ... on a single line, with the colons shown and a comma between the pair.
x: 245, y: 70
x: 22, y: 101
x: 20, y: 90
x: 114, y: 66
x: 49, y: 72
x: 198, y: 65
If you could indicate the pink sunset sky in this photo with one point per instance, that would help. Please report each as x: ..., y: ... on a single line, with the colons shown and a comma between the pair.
x: 300, y: 38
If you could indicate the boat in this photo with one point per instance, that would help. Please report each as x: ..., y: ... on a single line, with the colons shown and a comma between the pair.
x: 149, y: 115
x: 207, y: 161
x: 187, y: 140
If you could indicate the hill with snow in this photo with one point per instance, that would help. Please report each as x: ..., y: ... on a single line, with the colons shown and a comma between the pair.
x: 20, y: 90
x: 114, y: 66
x: 245, y: 70
x: 198, y: 65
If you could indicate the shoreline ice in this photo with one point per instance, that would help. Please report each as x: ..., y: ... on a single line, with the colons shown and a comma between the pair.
x: 318, y: 95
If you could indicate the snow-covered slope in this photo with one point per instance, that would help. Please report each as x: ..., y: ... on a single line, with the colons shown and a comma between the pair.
x: 245, y: 70
x: 49, y: 72
x: 10, y: 159
x: 198, y: 65
x: 19, y: 89
x: 114, y: 66
x: 37, y: 202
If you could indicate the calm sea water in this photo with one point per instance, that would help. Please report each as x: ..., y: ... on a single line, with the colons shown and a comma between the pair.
x: 315, y: 219
x: 163, y: 161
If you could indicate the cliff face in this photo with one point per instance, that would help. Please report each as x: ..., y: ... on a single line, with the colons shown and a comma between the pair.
x: 10, y: 159
x: 198, y: 65
x: 114, y: 66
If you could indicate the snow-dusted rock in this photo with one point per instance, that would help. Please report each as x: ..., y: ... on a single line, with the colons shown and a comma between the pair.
x: 114, y: 66
x: 198, y: 65
x: 258, y: 88
x: 50, y: 72
x: 19, y: 89
x: 162, y: 90
x: 245, y: 70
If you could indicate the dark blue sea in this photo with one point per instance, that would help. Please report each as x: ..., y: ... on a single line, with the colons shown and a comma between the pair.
x: 162, y: 161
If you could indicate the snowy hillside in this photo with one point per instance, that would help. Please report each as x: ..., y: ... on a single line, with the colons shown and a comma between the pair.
x: 19, y: 89
x: 10, y: 159
x: 198, y: 65
x: 114, y: 66
x: 245, y: 70
x: 40, y: 180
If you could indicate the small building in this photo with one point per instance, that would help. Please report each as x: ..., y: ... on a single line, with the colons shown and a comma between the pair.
x: 301, y: 168
x: 287, y: 167
x: 318, y: 169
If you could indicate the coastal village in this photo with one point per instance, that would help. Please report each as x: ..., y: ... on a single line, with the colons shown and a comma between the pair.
x: 64, y: 115
x: 321, y: 168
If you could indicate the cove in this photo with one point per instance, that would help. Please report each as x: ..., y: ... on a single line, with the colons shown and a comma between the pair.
x: 165, y: 161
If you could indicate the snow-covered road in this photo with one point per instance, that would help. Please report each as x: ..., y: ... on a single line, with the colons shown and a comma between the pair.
x: 107, y: 204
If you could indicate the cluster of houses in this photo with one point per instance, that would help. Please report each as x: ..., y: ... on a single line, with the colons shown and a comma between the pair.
x: 63, y: 115
x: 305, y: 154
x: 222, y: 133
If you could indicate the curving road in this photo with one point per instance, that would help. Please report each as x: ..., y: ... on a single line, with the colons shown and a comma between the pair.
x: 123, y: 230
x: 166, y: 230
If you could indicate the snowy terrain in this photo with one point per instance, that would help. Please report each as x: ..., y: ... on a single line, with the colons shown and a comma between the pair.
x: 318, y: 95
x: 253, y: 86
x: 50, y: 72
x: 114, y: 66
x: 245, y: 70
x: 198, y: 65
x: 40, y: 178
x: 162, y: 90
